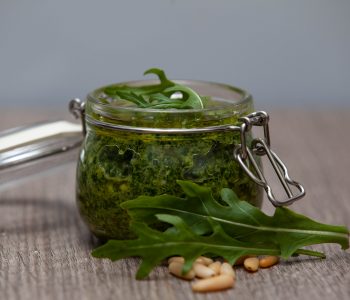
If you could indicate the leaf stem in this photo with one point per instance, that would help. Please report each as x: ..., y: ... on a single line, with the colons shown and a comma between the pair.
x: 310, y: 253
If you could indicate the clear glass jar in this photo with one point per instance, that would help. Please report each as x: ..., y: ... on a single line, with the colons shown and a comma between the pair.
x: 122, y: 158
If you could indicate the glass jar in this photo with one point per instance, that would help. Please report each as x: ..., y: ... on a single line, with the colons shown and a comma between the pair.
x: 130, y: 151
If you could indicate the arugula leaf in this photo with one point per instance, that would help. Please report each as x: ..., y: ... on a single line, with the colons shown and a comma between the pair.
x: 157, y: 96
x: 154, y: 246
x: 193, y: 99
x: 286, y: 230
x: 164, y: 81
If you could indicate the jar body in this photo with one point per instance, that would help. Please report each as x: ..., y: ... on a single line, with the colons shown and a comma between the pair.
x: 116, y: 166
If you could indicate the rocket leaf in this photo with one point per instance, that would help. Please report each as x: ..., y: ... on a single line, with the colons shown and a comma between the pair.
x: 154, y: 246
x: 157, y: 96
x: 286, y: 230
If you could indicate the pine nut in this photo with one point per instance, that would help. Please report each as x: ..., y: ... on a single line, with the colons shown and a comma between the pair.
x: 207, y: 260
x: 241, y: 260
x: 251, y: 264
x: 215, y: 266
x: 199, y: 260
x: 226, y: 269
x: 213, y: 284
x: 175, y: 268
x: 179, y: 259
x: 204, y: 260
x: 202, y: 271
x: 268, y: 261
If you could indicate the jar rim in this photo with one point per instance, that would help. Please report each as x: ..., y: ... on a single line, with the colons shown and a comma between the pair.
x: 245, y: 97
x: 227, y: 105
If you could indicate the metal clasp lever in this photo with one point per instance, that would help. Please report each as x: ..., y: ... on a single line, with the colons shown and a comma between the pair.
x: 77, y: 109
x: 244, y: 155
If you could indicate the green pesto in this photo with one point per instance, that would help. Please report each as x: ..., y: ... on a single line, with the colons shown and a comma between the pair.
x: 118, y: 166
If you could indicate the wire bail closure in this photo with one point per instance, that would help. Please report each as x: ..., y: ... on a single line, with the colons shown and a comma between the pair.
x: 244, y: 156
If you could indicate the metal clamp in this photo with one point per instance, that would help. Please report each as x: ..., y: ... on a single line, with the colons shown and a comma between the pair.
x: 77, y: 109
x: 244, y: 156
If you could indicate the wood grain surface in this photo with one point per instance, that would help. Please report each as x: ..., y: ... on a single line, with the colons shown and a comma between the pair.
x: 45, y: 247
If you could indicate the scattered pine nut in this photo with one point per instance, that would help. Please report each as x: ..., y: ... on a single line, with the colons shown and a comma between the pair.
x: 226, y: 269
x: 202, y: 271
x: 175, y: 268
x: 251, y: 264
x: 216, y: 276
x: 241, y: 260
x: 213, y: 284
x: 268, y: 261
x: 204, y: 260
x: 179, y: 259
x: 215, y: 266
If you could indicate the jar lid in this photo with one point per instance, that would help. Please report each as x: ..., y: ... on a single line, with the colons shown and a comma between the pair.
x: 23, y: 147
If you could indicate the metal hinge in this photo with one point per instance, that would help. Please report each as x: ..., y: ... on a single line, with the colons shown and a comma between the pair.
x: 261, y: 146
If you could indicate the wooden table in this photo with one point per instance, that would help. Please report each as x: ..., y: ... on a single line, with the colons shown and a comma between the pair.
x: 45, y: 247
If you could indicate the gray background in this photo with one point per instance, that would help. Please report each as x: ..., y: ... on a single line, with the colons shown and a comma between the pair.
x: 293, y: 52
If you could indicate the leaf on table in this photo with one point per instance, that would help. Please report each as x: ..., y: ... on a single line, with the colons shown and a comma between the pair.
x: 286, y: 230
x: 154, y: 246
